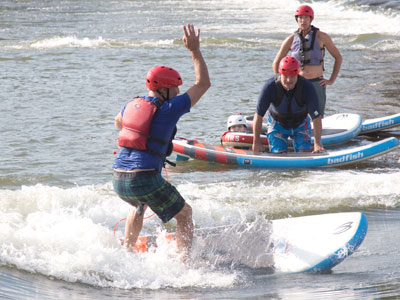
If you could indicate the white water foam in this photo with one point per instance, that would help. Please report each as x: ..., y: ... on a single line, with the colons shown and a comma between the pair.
x: 277, y: 16
x: 251, y: 18
x: 70, y: 42
x: 63, y: 234
x: 67, y: 233
x: 266, y: 194
x: 62, y: 42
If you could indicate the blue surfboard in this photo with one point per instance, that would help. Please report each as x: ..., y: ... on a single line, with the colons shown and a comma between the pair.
x: 378, y: 124
x: 332, y: 158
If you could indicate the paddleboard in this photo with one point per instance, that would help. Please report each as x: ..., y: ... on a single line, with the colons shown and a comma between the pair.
x: 226, y: 155
x: 339, y: 128
x: 336, y: 129
x: 378, y: 124
x: 303, y: 244
x: 316, y: 243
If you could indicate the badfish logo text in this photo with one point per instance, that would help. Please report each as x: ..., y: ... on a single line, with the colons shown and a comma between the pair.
x: 378, y: 125
x: 345, y: 158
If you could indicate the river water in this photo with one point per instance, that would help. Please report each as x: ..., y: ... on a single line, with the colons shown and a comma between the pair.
x: 66, y: 69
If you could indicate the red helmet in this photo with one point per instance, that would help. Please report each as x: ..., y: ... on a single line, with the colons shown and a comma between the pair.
x: 304, y: 10
x: 289, y: 66
x: 162, y: 77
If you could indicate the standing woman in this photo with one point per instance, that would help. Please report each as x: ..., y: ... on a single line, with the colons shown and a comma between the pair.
x: 307, y: 45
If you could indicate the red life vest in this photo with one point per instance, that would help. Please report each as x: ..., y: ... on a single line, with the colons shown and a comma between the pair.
x: 136, y: 123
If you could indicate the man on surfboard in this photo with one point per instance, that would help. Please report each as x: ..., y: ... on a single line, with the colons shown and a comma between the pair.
x: 307, y: 44
x: 290, y: 100
x: 147, y: 127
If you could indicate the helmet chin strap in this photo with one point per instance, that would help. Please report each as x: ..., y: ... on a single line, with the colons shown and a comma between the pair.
x: 162, y: 96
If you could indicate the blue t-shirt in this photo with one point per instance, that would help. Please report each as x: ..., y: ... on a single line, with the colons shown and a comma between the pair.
x: 162, y: 127
x: 269, y: 93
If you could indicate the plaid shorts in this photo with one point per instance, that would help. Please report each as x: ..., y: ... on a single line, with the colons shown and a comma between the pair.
x: 149, y: 187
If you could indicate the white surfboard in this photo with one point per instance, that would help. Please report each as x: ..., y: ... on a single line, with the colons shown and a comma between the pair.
x: 339, y: 128
x: 292, y: 245
x: 316, y: 243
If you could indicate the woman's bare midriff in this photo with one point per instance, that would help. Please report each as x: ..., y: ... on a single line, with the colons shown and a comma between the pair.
x: 133, y: 171
x: 312, y: 71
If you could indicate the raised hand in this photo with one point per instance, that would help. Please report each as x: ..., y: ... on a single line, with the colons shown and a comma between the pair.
x: 191, y: 40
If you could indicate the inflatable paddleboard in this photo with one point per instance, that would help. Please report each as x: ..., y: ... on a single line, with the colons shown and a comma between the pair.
x: 292, y: 245
x: 339, y: 128
x: 373, y: 125
x: 226, y: 155
x: 316, y: 243
x: 336, y: 129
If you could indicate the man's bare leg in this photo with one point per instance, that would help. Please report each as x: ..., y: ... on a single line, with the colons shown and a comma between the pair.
x: 184, y: 230
x: 133, y: 226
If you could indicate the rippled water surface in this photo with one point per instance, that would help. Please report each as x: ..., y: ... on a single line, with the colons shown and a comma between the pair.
x: 67, y: 68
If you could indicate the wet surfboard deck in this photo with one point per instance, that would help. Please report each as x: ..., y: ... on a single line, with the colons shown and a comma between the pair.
x: 314, y: 243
